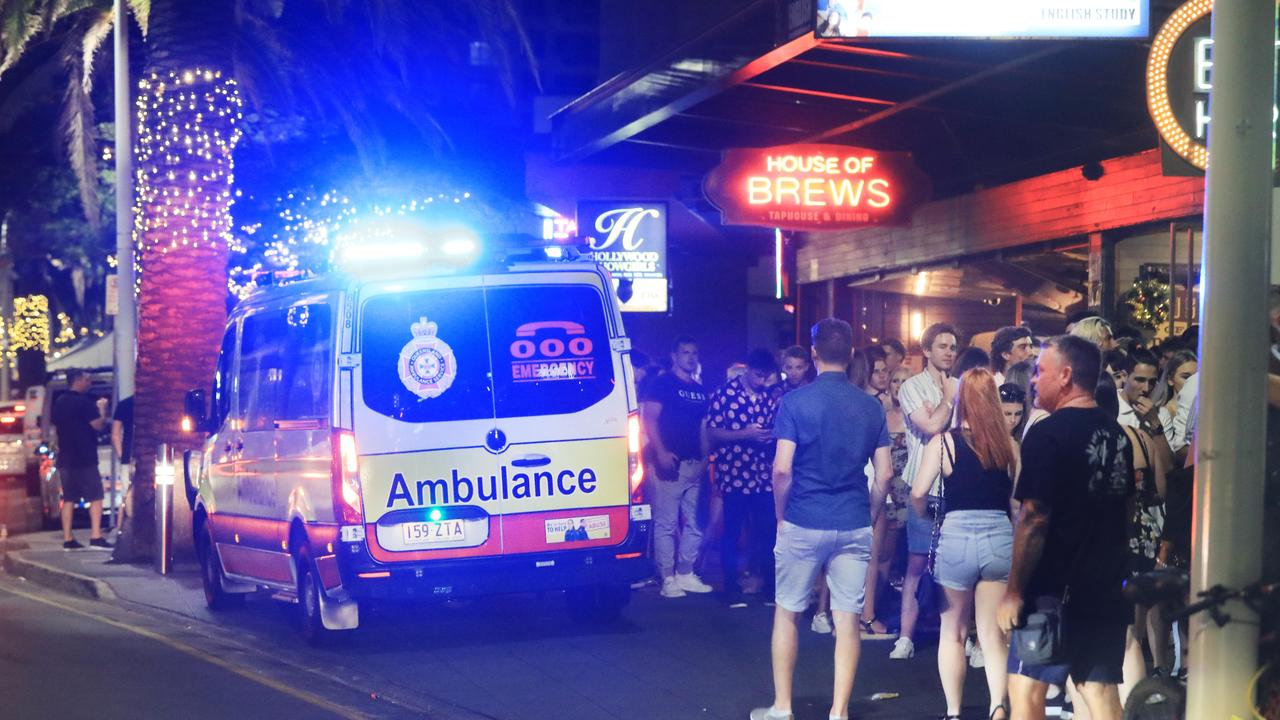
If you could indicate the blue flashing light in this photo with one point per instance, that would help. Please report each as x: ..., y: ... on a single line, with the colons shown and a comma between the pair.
x: 555, y: 253
x: 435, y: 514
x: 458, y: 246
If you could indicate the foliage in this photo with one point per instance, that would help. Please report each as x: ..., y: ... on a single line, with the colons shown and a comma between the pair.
x: 330, y: 68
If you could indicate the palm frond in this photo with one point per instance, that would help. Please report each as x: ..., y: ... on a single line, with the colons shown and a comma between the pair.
x: 20, y: 22
x: 141, y: 10
x: 96, y: 33
x: 77, y: 124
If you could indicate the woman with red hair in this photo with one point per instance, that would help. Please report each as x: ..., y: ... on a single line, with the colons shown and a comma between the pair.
x: 973, y: 548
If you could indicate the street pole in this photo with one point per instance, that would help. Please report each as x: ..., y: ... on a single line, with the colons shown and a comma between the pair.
x: 126, y: 323
x: 1231, y: 431
x: 6, y: 307
x: 126, y: 320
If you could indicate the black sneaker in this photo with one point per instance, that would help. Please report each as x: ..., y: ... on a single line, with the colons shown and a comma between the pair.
x: 99, y: 544
x: 71, y: 545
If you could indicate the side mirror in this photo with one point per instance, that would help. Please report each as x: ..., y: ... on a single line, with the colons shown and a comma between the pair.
x: 194, y: 418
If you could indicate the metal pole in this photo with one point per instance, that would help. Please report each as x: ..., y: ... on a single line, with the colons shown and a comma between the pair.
x: 1191, y: 277
x: 125, y: 329
x: 1173, y: 269
x: 1231, y: 435
x: 6, y: 306
x: 126, y: 324
x: 165, y: 474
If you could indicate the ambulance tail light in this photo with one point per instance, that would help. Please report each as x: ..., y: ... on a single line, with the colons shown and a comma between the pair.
x: 348, y: 509
x: 635, y: 464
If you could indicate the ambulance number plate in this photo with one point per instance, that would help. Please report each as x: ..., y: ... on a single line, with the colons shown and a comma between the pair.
x: 421, y: 533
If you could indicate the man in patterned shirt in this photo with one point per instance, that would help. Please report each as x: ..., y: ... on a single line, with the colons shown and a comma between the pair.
x: 740, y: 426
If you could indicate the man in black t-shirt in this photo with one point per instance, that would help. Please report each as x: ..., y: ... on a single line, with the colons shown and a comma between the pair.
x: 78, y: 419
x: 1071, y: 542
x: 122, y: 431
x: 673, y: 407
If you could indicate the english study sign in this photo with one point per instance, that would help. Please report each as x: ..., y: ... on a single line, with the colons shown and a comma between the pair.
x: 815, y: 187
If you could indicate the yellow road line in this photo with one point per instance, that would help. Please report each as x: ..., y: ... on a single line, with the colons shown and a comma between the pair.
x: 266, y: 682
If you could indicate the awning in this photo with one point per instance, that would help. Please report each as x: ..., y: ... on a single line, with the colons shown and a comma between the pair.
x: 974, y: 113
x: 90, y: 354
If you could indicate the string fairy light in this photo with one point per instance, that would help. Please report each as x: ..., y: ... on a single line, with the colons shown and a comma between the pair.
x: 29, y: 329
x: 188, y: 127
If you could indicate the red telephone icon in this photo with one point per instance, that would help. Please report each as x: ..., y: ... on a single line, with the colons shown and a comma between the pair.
x: 533, y: 328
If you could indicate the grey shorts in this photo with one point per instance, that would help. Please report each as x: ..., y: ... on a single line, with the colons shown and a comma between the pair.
x: 801, y: 553
x: 975, y: 545
x: 80, y: 483
x: 920, y: 529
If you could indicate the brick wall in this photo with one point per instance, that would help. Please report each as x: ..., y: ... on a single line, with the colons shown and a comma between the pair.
x: 1132, y: 191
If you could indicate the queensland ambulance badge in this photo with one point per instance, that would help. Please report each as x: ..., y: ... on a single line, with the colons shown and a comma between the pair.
x: 427, y: 366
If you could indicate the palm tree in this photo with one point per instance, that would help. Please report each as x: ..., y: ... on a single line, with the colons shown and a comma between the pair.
x: 320, y: 60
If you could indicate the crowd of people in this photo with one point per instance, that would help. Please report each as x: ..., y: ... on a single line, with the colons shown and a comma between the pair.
x: 1024, y: 478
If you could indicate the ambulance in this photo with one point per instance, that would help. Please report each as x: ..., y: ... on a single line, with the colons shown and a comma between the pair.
x: 427, y: 431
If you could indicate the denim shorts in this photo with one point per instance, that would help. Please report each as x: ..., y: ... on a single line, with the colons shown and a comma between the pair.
x: 975, y: 545
x: 920, y: 529
x: 801, y: 553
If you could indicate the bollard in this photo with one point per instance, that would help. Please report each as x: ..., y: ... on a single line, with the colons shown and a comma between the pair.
x: 165, y: 473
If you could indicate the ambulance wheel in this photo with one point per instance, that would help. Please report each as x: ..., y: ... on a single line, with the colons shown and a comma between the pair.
x: 597, y: 604
x: 215, y: 597
x: 312, y: 626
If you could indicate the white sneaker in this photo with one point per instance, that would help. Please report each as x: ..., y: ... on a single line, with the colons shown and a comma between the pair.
x: 903, y: 649
x: 821, y: 623
x: 671, y: 588
x: 692, y: 583
x: 968, y: 647
x: 977, y: 659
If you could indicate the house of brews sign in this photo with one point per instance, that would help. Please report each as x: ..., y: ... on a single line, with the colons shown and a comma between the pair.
x: 815, y: 187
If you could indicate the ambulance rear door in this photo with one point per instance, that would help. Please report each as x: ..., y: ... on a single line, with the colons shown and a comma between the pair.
x: 560, y: 409
x: 423, y: 416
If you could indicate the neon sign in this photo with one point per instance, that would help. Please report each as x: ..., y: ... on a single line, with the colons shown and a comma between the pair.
x: 1179, y: 80
x: 815, y: 187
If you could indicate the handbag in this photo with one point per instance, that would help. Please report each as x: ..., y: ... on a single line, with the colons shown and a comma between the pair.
x: 1040, y: 640
x: 939, y: 510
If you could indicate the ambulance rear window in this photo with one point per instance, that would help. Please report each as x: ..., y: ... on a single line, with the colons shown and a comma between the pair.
x: 437, y: 355
x: 448, y: 378
x: 551, y: 351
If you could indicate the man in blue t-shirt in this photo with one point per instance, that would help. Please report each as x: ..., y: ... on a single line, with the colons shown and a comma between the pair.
x: 826, y: 432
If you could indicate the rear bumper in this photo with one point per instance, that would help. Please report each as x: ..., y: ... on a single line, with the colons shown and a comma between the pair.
x: 470, y: 577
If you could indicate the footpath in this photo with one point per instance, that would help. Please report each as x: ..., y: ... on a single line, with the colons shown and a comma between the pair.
x: 39, y: 558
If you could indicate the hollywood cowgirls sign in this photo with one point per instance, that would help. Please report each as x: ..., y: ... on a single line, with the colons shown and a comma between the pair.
x: 815, y: 187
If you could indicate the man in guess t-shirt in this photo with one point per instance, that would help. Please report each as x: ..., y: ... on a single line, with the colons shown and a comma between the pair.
x: 672, y: 409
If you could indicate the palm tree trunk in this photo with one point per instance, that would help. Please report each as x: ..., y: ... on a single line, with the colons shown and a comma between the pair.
x: 188, y: 110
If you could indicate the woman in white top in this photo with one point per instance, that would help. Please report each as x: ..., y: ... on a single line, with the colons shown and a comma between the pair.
x: 1166, y: 396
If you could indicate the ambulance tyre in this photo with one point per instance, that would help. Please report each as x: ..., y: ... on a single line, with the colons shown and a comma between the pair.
x: 597, y: 604
x: 313, y: 630
x: 215, y: 597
